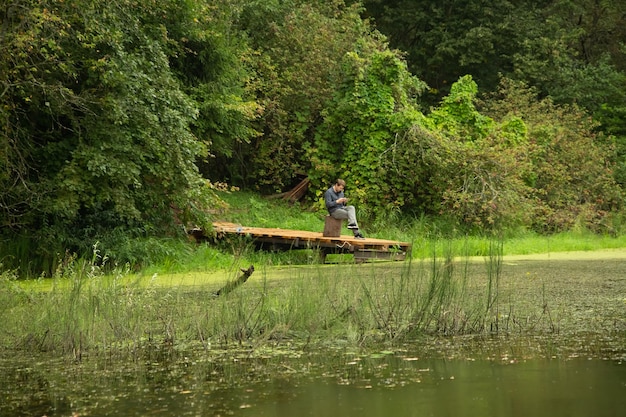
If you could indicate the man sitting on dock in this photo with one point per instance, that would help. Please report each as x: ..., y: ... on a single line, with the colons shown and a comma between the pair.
x: 338, y: 209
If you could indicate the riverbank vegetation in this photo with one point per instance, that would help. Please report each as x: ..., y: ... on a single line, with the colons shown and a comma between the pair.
x: 429, y: 237
x: 450, y: 286
x: 82, y: 311
x: 122, y: 122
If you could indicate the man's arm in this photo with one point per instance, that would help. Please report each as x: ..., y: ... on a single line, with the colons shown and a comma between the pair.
x: 330, y: 198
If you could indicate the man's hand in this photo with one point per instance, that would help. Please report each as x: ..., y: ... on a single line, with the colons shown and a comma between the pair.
x: 342, y: 200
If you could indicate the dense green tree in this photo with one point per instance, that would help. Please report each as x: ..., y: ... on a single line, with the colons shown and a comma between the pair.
x: 211, y: 59
x: 571, y: 50
x: 445, y: 40
x: 571, y: 181
x: 463, y: 165
x: 374, y: 104
x: 95, y: 129
x: 571, y: 55
x: 527, y: 162
x: 300, y: 47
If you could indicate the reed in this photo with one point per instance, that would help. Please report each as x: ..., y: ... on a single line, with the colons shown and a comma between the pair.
x: 85, y: 310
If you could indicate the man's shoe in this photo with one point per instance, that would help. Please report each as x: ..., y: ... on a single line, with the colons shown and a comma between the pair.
x: 359, y: 236
x: 352, y: 226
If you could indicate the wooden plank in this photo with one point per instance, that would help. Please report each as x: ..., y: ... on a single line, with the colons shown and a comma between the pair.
x: 382, y: 255
x: 368, y: 248
x: 296, y: 193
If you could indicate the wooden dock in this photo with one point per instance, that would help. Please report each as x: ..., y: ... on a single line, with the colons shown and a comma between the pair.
x: 285, y: 239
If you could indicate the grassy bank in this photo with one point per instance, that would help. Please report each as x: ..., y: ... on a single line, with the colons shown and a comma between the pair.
x: 95, y: 306
x: 428, y: 238
x: 85, y: 311
x: 428, y: 235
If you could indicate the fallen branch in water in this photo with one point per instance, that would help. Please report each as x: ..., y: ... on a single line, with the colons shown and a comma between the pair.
x: 234, y: 284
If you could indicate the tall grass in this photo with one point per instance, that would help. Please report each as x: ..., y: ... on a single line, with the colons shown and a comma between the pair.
x: 21, y: 254
x: 86, y: 311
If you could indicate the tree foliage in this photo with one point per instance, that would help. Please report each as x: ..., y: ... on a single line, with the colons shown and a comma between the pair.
x: 299, y: 46
x: 370, y: 108
x: 571, y: 50
x: 95, y: 125
x: 115, y: 117
x: 528, y: 162
x: 572, y: 180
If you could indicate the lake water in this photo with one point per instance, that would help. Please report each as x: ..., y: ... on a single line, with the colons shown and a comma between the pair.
x: 314, y: 384
x: 568, y: 360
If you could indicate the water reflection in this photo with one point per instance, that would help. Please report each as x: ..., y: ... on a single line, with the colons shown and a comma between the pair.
x: 385, y: 384
x: 460, y: 388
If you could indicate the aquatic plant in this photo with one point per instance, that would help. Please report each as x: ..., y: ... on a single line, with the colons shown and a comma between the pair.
x: 82, y: 309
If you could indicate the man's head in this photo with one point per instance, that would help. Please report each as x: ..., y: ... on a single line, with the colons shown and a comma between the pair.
x: 340, y: 184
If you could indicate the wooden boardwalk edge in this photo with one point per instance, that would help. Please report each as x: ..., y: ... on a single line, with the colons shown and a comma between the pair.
x: 287, y: 239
